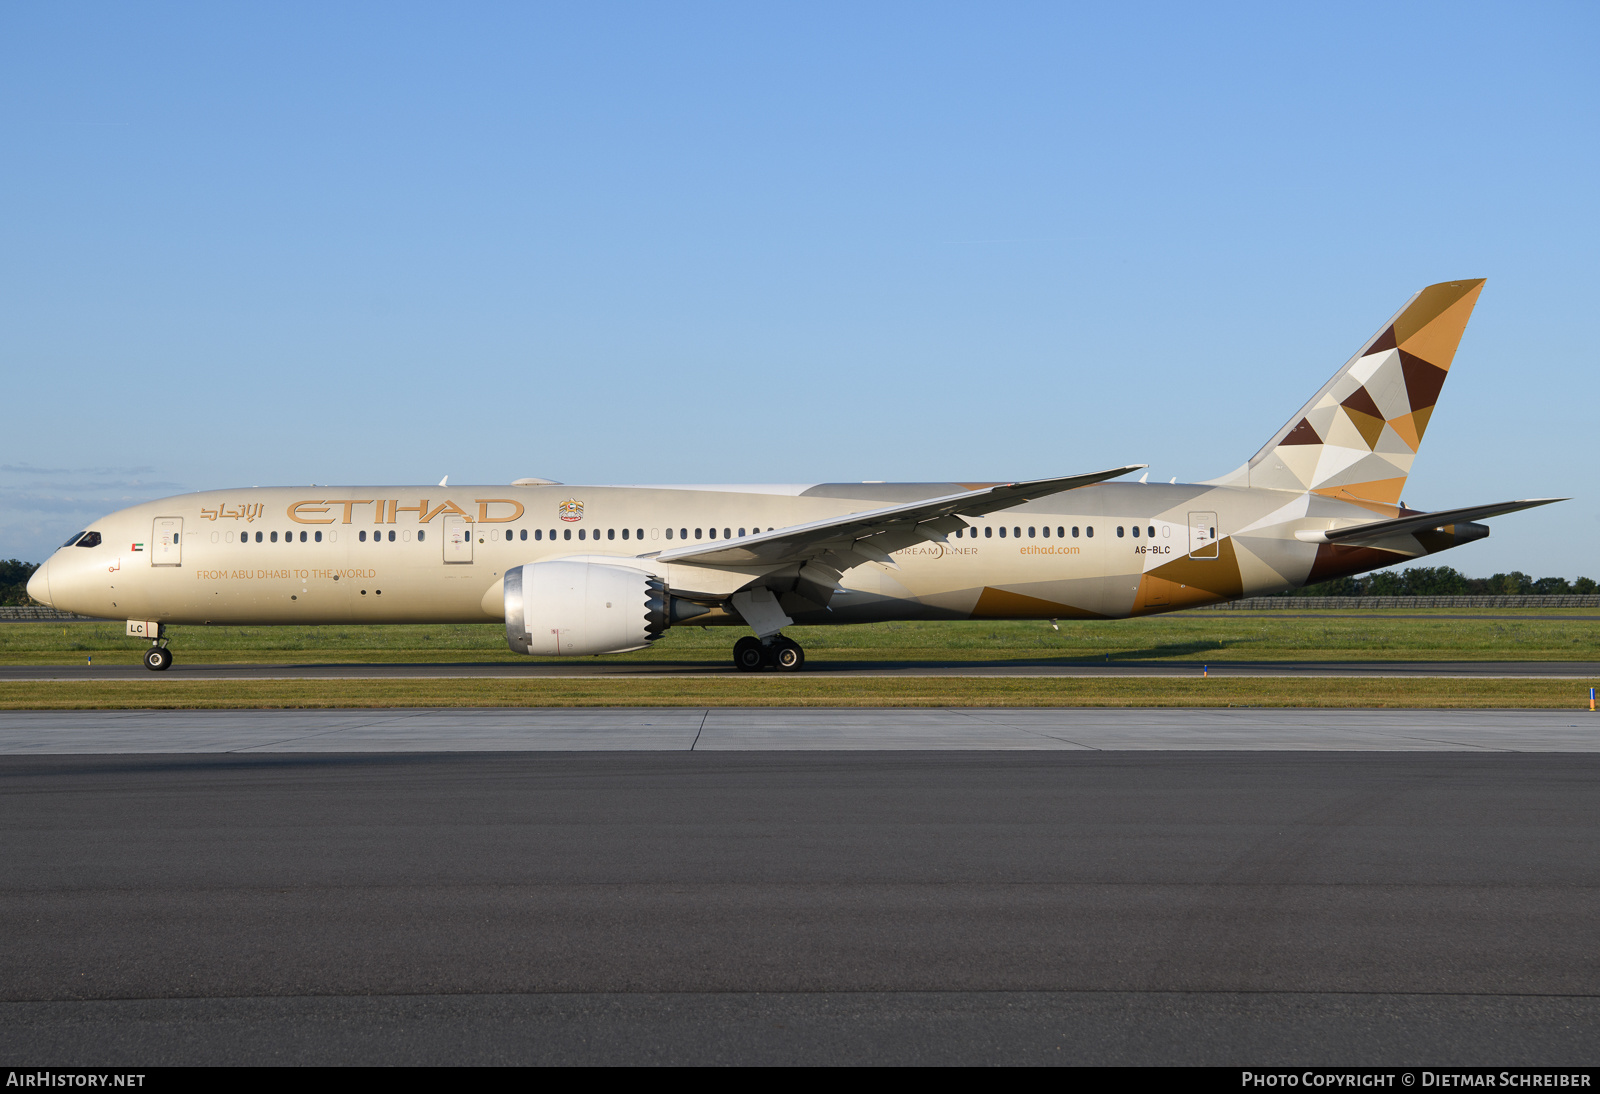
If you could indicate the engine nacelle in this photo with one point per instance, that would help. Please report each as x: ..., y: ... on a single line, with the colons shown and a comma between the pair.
x: 579, y: 608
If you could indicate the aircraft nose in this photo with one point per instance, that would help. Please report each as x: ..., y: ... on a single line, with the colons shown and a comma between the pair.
x: 39, y: 584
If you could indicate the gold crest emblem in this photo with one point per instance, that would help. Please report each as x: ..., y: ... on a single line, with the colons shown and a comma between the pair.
x: 572, y: 509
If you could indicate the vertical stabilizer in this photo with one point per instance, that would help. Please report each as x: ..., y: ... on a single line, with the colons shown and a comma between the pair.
x: 1356, y: 438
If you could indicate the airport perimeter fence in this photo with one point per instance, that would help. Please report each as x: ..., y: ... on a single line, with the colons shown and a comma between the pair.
x: 1334, y: 603
x: 34, y: 613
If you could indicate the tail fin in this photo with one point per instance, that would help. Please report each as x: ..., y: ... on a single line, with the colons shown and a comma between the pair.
x: 1356, y: 438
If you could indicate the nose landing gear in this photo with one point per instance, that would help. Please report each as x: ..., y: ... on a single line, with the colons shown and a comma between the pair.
x: 750, y: 654
x: 157, y: 658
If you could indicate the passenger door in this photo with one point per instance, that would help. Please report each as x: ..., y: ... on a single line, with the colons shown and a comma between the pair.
x: 457, y: 539
x: 1203, y: 536
x: 166, y: 542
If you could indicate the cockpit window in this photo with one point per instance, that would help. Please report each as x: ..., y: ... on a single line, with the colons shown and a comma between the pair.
x: 90, y: 539
x: 73, y: 538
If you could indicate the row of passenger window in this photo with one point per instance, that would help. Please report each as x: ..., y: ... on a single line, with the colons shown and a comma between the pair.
x: 711, y: 533
x: 288, y: 537
x: 1015, y: 532
x: 1061, y: 531
x: 539, y: 534
x: 566, y: 533
x: 635, y: 533
x: 316, y: 537
x: 1033, y: 530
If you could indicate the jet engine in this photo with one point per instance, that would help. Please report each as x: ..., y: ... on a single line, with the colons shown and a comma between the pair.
x: 573, y: 608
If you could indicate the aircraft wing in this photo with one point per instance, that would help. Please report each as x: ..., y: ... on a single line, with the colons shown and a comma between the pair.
x: 1416, y: 522
x: 869, y: 536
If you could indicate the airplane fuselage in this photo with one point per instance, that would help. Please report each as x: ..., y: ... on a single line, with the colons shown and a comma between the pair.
x: 429, y: 554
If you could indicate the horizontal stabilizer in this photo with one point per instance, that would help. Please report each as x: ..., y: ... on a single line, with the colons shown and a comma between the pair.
x: 1416, y: 522
x: 877, y: 532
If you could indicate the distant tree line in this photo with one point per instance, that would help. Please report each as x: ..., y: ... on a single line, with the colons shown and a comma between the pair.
x: 1445, y: 581
x: 14, y: 577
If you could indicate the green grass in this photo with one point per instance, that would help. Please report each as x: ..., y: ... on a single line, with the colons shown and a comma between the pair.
x: 1189, y: 636
x: 798, y: 691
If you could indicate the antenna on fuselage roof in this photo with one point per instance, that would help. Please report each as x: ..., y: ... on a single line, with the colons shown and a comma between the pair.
x: 444, y: 481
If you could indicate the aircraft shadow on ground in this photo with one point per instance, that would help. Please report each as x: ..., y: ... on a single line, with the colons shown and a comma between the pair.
x: 1171, y: 649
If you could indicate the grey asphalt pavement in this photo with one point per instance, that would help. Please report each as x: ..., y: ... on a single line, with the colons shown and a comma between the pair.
x: 791, y: 906
x: 672, y: 729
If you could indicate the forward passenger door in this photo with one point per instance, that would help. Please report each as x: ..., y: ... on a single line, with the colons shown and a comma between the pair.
x: 166, y: 542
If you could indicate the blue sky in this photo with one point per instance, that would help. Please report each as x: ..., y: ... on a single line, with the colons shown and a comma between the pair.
x: 274, y: 244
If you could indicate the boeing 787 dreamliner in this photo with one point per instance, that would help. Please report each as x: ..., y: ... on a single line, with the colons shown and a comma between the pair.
x: 605, y: 569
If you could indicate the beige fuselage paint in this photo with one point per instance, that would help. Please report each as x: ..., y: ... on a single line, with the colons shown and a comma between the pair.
x: 356, y: 573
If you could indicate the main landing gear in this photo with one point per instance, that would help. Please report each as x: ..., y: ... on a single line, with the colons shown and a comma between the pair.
x: 158, y: 658
x: 751, y: 654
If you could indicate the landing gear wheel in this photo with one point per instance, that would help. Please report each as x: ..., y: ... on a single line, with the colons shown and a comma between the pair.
x: 158, y: 658
x: 788, y: 656
x: 748, y: 655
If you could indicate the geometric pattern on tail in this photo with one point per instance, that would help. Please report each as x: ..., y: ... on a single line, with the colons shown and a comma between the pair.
x: 1357, y: 437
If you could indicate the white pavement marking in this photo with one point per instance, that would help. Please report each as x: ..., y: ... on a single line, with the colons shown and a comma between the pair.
x: 788, y: 729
